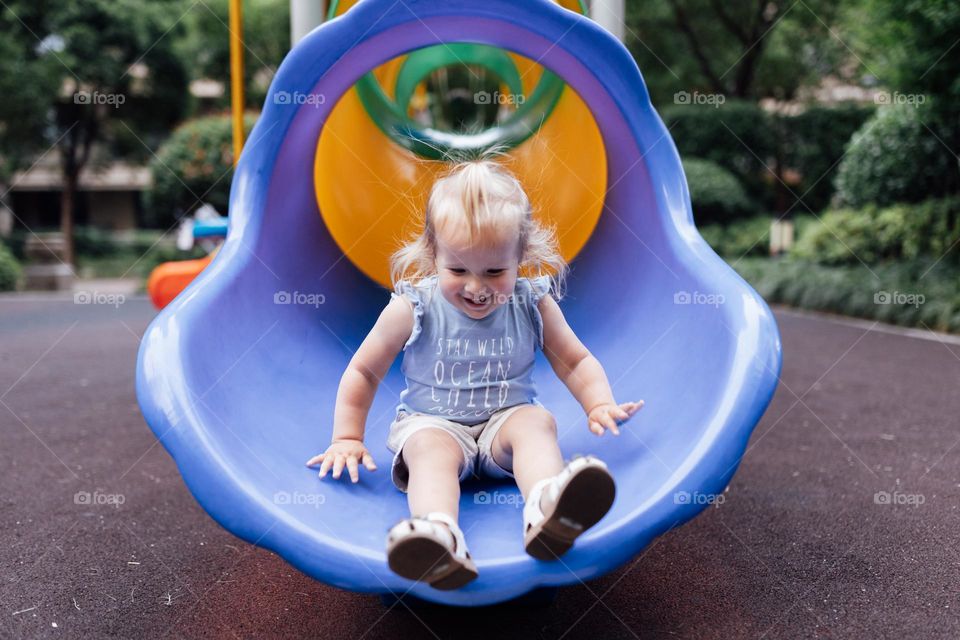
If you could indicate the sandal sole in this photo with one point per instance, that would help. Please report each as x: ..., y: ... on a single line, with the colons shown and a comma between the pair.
x: 426, y: 560
x: 584, y: 500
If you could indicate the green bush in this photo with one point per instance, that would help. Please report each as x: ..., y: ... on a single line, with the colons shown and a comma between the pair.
x: 738, y: 136
x: 895, y: 157
x: 715, y: 193
x: 750, y: 237
x: 9, y: 269
x: 746, y: 140
x: 919, y: 293
x: 872, y: 234
x: 132, y: 264
x: 812, y: 143
x: 195, y: 162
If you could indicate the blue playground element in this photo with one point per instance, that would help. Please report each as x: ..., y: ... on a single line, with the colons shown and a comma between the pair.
x: 238, y: 376
x: 210, y: 228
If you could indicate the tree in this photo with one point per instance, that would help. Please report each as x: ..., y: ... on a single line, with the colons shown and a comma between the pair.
x: 742, y: 48
x: 266, y: 36
x: 913, y: 48
x: 112, y: 84
x: 28, y: 77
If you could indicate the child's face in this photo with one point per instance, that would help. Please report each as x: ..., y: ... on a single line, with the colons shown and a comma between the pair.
x: 476, y: 279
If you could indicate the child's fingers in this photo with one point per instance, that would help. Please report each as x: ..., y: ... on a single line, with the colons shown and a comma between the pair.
x: 610, y: 423
x: 338, y: 466
x: 631, y: 407
x: 595, y: 427
x: 325, y: 467
x: 352, y: 468
x: 368, y: 461
x: 315, y: 460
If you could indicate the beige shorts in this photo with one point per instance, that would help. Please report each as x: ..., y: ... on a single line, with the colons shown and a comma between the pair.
x: 475, y: 441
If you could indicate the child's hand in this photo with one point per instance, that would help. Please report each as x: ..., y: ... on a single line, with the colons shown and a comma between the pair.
x: 610, y: 415
x: 340, y: 452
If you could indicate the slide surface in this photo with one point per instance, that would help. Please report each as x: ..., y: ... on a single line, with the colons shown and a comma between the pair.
x: 238, y: 376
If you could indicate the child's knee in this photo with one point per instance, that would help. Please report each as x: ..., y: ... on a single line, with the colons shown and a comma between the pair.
x: 528, y: 422
x: 433, y: 445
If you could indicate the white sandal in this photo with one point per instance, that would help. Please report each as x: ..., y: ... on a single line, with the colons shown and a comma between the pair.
x: 573, y: 501
x: 419, y: 549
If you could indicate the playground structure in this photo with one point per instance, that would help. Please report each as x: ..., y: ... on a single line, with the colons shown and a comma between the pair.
x: 238, y: 375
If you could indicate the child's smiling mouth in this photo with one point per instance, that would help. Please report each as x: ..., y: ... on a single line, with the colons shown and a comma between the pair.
x: 476, y: 306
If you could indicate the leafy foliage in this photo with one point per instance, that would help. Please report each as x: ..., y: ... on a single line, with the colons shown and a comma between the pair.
x: 873, y: 234
x: 9, y: 269
x: 920, y: 293
x: 715, y: 193
x: 195, y: 165
x: 895, y: 157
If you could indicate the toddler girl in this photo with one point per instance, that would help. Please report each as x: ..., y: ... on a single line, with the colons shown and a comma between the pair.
x: 469, y: 325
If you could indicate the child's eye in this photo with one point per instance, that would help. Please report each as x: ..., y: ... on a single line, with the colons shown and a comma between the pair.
x: 496, y: 272
x: 457, y: 271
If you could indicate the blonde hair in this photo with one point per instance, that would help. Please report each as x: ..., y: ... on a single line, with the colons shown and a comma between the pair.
x: 486, y: 200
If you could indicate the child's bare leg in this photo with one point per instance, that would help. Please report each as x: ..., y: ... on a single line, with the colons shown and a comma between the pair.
x: 433, y: 458
x: 527, y: 444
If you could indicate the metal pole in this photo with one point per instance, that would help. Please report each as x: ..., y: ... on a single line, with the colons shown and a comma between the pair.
x: 305, y: 15
x: 610, y: 14
x: 236, y: 76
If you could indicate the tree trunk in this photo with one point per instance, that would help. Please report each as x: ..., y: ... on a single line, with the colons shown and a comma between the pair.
x: 67, y: 199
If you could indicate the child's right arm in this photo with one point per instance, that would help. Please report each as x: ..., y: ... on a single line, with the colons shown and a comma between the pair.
x: 358, y: 385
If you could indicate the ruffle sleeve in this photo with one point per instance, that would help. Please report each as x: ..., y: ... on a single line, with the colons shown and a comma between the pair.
x: 409, y: 292
x: 539, y: 287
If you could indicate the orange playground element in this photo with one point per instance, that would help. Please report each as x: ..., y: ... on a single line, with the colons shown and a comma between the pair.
x: 170, y: 278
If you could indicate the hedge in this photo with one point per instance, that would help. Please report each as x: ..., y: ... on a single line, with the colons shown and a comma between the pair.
x: 872, y: 234
x: 747, y: 140
x: 914, y: 293
x: 9, y: 269
x: 896, y: 157
x: 716, y: 194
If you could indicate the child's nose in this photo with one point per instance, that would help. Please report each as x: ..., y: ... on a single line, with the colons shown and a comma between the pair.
x: 475, y: 286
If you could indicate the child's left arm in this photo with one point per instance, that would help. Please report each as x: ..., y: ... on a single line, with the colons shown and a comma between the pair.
x: 581, y: 371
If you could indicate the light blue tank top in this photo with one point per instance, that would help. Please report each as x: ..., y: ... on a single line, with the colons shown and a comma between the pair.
x: 465, y: 369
